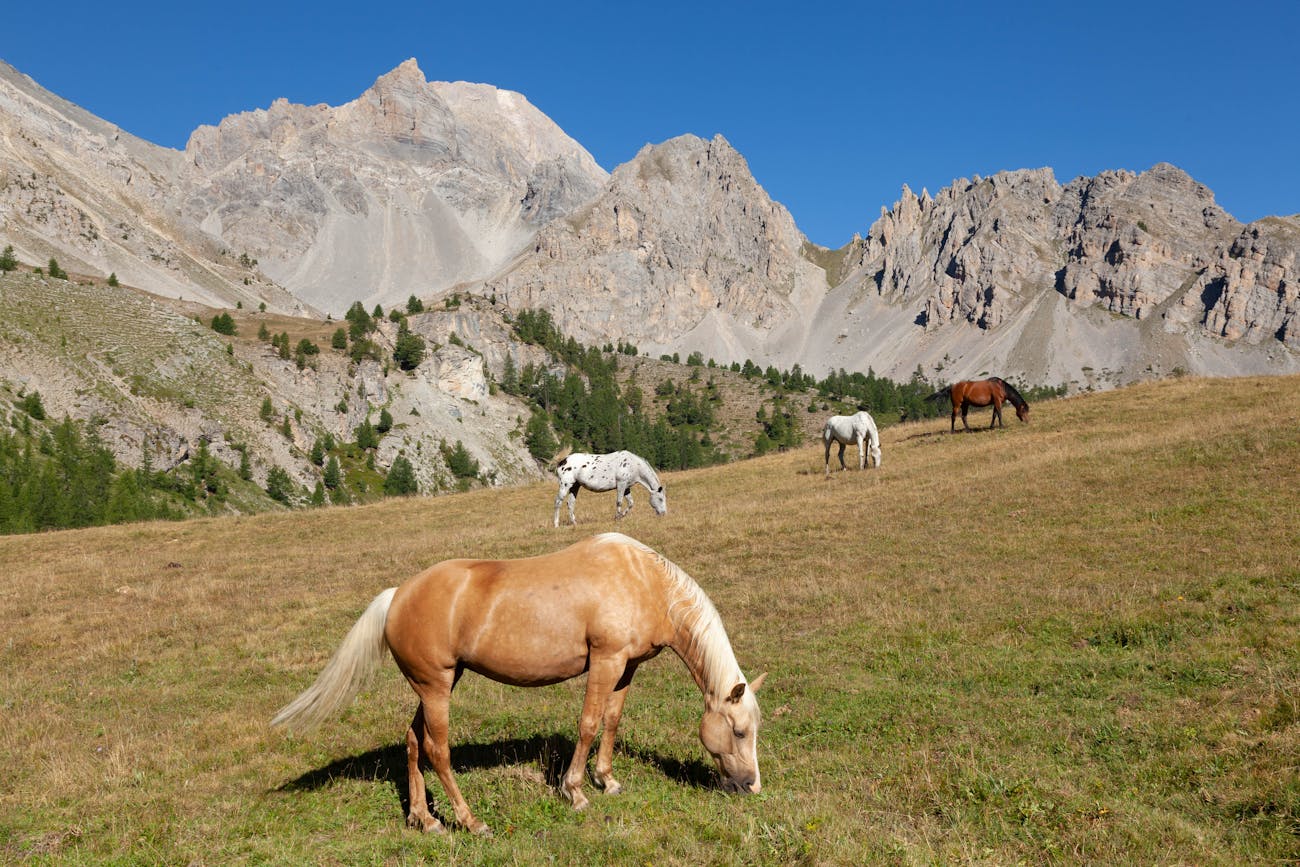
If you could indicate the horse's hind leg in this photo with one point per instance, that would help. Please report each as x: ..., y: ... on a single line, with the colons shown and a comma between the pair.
x: 573, y: 501
x: 418, y: 816
x: 842, y: 467
x: 435, y: 696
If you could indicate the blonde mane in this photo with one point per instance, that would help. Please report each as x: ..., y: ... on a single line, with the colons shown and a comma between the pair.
x: 691, y: 611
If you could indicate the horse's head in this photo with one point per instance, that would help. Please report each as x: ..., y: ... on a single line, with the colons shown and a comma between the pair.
x: 730, y: 733
x: 659, y: 501
x: 1022, y: 412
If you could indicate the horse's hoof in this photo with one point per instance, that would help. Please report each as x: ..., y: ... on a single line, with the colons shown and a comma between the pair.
x: 480, y: 829
x: 576, y: 798
x: 613, y: 787
x: 425, y: 824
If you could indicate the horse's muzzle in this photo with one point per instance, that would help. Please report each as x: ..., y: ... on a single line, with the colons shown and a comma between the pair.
x: 738, y: 785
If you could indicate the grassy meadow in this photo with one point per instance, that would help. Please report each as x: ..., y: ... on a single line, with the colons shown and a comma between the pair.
x: 1071, y: 641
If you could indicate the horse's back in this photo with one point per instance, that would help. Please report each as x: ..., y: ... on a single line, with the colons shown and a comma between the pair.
x: 848, y: 428
x: 521, y: 621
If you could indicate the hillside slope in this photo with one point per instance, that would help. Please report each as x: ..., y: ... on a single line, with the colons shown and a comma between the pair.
x: 1072, y: 639
x: 157, y: 381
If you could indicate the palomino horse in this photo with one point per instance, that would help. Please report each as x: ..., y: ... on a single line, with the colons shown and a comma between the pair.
x: 858, y: 428
x: 616, y: 471
x: 604, y: 606
x: 983, y: 392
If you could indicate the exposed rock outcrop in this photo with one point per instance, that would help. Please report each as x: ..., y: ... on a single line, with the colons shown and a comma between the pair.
x: 1250, y: 291
x: 683, y: 248
x: 414, y: 186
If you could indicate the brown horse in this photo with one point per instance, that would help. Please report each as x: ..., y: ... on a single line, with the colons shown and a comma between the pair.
x: 603, y: 606
x: 983, y: 392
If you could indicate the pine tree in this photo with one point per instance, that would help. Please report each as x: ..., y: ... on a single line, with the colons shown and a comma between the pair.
x: 333, y: 476
x: 401, y: 479
x: 8, y: 261
x: 32, y: 405
x: 509, y: 375
x: 278, y: 485
x: 459, y: 461
x: 538, y: 438
x: 366, y: 436
x: 385, y: 421
x: 408, y: 349
x: 223, y: 323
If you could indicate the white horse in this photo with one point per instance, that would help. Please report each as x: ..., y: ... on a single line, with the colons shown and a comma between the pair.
x: 616, y: 471
x: 858, y: 428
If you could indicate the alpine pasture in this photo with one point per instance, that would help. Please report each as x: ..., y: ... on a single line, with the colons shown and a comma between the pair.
x: 1076, y: 640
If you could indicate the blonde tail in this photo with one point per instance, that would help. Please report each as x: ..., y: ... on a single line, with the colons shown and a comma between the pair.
x: 360, y: 654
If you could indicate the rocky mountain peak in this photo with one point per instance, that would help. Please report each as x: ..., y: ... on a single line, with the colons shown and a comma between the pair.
x: 683, y: 241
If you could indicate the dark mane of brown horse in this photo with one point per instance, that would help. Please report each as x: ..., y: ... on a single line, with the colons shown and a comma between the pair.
x: 1012, y: 395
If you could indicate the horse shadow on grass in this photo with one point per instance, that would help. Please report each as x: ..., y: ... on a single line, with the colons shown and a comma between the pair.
x: 937, y: 435
x: 549, y: 753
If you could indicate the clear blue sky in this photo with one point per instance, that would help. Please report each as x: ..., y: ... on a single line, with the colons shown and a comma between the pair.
x: 834, y: 105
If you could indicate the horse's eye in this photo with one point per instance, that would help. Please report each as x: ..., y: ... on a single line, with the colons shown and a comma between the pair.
x: 739, y: 734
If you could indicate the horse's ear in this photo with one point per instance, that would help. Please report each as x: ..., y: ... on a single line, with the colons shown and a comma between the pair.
x: 757, y: 683
x: 737, y: 693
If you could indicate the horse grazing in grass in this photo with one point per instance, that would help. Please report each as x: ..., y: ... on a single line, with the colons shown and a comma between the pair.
x: 983, y: 392
x: 616, y: 471
x: 604, y: 606
x: 858, y: 428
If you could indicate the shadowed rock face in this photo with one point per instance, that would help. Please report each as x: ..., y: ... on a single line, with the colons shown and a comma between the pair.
x: 1250, y: 290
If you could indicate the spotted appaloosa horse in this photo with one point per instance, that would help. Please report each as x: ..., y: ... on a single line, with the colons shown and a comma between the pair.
x: 602, y: 606
x: 858, y: 428
x: 982, y: 392
x: 616, y: 471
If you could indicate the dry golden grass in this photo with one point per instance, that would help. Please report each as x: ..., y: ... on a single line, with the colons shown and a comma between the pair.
x: 1069, y: 641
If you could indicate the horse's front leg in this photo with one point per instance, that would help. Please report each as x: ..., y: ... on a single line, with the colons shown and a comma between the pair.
x: 862, y: 454
x: 619, y: 511
x: 842, y: 467
x: 602, y: 676
x: 997, y: 415
x: 603, y: 773
x: 435, y: 696
x: 559, y: 501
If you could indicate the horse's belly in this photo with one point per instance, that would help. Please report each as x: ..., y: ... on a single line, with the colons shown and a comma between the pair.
x: 526, y: 658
